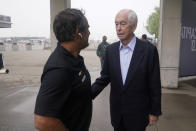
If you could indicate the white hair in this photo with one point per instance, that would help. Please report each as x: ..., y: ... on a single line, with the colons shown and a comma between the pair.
x: 132, y: 17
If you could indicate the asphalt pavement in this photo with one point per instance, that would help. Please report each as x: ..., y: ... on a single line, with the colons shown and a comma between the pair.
x: 19, y: 88
x: 178, y: 106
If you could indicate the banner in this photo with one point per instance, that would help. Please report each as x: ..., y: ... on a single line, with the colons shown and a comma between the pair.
x: 187, y: 66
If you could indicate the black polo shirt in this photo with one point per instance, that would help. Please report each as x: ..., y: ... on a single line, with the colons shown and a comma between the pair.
x: 65, y: 91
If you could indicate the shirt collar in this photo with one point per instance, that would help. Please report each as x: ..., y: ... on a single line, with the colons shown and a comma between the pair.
x: 130, y: 45
x: 66, y: 54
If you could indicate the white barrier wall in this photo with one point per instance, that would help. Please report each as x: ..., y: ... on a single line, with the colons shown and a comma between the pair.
x: 169, y: 41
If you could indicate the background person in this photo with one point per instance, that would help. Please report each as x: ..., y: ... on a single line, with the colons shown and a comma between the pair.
x: 101, y: 50
x: 144, y: 37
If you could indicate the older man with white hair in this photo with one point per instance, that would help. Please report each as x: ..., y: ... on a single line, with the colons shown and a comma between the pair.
x: 132, y: 68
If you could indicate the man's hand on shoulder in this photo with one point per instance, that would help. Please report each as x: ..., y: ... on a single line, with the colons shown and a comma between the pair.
x: 153, y: 119
x: 43, y: 123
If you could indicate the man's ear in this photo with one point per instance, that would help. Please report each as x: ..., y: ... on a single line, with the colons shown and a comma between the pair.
x: 78, y: 34
x: 134, y: 27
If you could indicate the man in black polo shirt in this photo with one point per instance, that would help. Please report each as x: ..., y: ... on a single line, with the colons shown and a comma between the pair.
x: 64, y: 99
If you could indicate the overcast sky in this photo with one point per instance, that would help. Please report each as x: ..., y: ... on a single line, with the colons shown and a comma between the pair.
x: 29, y: 17
x: 32, y: 17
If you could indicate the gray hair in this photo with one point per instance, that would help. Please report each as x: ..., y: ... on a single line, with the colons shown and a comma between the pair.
x: 132, y: 17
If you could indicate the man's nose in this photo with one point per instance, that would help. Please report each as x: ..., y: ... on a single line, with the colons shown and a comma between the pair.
x: 118, y: 27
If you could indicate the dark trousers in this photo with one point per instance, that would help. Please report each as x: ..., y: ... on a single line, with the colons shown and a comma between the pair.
x: 102, y: 62
x: 1, y: 61
x: 131, y: 127
x: 121, y: 126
